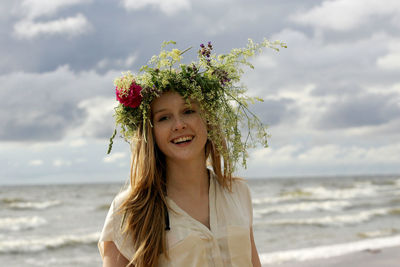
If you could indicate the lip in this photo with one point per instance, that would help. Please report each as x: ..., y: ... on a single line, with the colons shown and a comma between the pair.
x: 185, y: 135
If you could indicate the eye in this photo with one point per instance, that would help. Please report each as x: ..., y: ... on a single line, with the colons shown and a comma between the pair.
x: 189, y: 111
x: 163, y: 118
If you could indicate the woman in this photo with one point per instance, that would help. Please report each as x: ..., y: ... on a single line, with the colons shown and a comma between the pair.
x: 178, y: 212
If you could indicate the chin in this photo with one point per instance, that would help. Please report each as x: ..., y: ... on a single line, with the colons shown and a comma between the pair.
x: 185, y: 157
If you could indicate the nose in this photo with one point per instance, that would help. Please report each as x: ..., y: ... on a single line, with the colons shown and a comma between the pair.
x: 179, y: 124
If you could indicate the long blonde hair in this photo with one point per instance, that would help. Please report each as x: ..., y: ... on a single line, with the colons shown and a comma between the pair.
x: 145, y: 208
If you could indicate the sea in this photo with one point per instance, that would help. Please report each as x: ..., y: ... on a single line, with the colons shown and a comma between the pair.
x: 295, y: 219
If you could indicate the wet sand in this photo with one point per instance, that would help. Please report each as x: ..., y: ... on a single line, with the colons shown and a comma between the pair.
x: 386, y: 257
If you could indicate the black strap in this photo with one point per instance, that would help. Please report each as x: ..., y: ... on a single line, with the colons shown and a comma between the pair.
x: 166, y: 219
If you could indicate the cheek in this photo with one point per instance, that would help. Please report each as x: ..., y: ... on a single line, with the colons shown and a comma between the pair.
x: 202, y: 128
x: 158, y: 135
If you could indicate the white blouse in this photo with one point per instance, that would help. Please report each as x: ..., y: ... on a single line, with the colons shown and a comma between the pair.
x: 189, y: 242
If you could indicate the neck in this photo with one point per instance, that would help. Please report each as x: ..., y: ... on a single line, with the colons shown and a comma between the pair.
x: 187, y: 177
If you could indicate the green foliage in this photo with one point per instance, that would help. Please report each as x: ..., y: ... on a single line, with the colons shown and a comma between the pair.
x: 214, y: 82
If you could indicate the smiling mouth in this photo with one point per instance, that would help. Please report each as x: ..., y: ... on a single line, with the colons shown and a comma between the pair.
x: 182, y: 140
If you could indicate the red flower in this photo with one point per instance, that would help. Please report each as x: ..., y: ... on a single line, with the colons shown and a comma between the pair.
x: 131, y: 98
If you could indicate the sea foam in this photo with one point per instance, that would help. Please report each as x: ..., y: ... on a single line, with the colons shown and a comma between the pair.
x: 321, y: 193
x: 21, y: 223
x: 329, y: 251
x: 304, y: 206
x: 43, y: 243
x: 336, y: 220
x: 34, y: 205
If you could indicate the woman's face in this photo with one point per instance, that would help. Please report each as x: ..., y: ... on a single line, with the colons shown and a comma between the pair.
x: 178, y: 128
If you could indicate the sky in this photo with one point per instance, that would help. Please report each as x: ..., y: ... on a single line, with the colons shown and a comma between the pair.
x: 331, y: 99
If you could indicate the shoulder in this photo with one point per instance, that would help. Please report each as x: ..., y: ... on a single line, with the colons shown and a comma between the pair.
x: 238, y: 189
x: 113, y: 227
x: 120, y: 198
x: 112, y: 230
x: 115, y: 214
x: 241, y: 188
x: 235, y: 185
x: 239, y: 183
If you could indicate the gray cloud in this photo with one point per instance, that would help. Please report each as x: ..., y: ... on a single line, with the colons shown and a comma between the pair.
x: 40, y: 123
x: 39, y: 107
x: 70, y: 26
x: 34, y: 9
x: 117, y: 32
x: 58, y: 86
x: 320, y: 61
x: 361, y: 110
x: 339, y: 89
x: 340, y: 16
x: 273, y: 112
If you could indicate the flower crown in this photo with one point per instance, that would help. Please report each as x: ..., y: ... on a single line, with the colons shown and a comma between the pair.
x: 212, y: 81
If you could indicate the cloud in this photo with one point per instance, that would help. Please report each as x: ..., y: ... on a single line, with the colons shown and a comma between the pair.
x: 40, y: 125
x: 35, y: 162
x: 126, y: 33
x: 274, y: 111
x: 126, y: 62
x: 232, y: 20
x: 79, y: 142
x: 329, y: 159
x: 344, y: 15
x: 70, y: 26
x: 361, y: 110
x: 334, y: 85
x: 61, y: 162
x: 99, y: 119
x: 169, y: 7
x: 390, y: 61
x: 333, y: 93
x: 317, y: 55
x: 114, y: 157
x: 45, y: 106
x: 36, y: 8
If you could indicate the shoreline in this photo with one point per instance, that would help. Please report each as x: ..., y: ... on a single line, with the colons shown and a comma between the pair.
x: 388, y: 257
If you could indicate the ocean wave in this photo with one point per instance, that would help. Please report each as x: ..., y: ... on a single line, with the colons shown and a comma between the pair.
x: 329, y: 251
x: 304, y: 206
x: 321, y: 193
x: 12, y: 200
x: 44, y: 243
x: 267, y: 200
x: 87, y: 260
x: 33, y: 205
x: 396, y: 192
x: 21, y: 223
x: 333, y: 220
x: 395, y: 201
x: 378, y: 233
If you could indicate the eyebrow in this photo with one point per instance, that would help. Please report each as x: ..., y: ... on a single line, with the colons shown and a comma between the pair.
x: 164, y: 109
x: 160, y: 110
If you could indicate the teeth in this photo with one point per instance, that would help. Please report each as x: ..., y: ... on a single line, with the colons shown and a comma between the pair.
x: 182, y: 139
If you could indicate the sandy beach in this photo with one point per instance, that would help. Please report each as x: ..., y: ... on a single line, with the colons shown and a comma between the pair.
x: 387, y: 257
